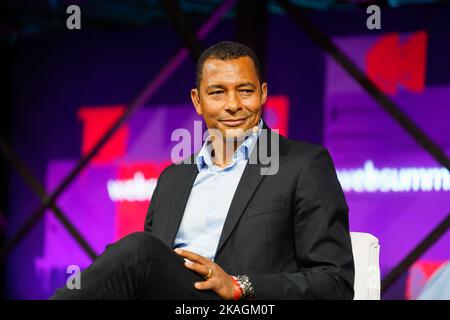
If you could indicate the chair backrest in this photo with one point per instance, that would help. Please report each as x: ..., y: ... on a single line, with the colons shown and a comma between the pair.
x: 366, y: 253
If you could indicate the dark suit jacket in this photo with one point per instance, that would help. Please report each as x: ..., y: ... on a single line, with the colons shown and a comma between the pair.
x: 288, y: 232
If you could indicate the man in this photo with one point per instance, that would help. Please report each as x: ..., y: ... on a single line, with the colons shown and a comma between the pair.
x: 217, y: 226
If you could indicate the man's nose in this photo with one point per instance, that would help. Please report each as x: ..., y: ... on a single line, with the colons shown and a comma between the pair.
x: 233, y: 104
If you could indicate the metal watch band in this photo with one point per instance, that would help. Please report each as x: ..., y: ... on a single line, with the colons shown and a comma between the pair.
x: 248, y: 292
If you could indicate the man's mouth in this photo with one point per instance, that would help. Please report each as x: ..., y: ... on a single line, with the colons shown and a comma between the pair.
x: 233, y: 122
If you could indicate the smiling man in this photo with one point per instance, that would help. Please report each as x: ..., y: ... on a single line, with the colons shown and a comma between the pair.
x: 217, y: 228
x: 229, y: 96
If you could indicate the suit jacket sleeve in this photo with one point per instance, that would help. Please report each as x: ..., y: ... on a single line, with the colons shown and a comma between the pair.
x: 151, y: 210
x: 322, y: 240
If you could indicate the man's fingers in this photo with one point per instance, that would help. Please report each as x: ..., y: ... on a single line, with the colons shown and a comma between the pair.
x: 204, y: 285
x: 199, y: 268
x: 191, y: 256
x: 203, y: 271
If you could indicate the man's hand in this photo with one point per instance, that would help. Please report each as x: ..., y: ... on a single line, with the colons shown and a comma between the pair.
x: 219, y: 281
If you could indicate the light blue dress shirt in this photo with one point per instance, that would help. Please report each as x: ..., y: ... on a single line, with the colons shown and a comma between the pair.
x: 210, y: 198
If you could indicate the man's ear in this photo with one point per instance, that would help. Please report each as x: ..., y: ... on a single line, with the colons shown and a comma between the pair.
x: 263, y: 92
x: 195, y: 97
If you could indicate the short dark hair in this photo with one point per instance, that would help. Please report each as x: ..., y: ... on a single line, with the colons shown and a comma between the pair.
x: 226, y: 50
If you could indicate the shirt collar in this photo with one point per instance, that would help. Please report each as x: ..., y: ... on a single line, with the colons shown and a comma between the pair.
x: 243, y: 151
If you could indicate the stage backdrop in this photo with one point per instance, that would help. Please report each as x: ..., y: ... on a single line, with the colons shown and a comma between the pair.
x: 69, y: 87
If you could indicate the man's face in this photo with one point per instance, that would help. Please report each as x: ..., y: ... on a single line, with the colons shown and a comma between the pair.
x: 230, y: 97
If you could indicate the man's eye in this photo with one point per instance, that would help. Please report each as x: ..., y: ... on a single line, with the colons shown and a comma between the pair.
x: 246, y: 91
x: 215, y: 92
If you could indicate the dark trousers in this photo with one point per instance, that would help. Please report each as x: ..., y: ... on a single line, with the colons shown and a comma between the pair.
x: 139, y: 266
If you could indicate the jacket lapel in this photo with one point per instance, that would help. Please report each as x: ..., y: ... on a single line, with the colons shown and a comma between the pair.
x: 181, y: 189
x: 250, y: 180
x: 247, y: 186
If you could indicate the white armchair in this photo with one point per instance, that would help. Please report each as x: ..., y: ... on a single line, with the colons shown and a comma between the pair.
x: 366, y: 252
